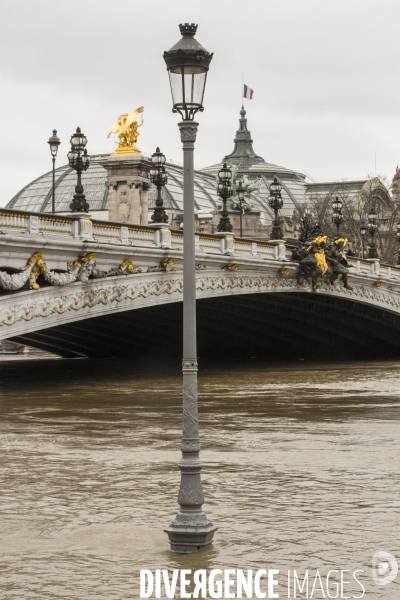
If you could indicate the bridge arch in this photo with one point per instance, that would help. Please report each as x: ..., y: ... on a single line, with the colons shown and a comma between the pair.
x: 239, y: 315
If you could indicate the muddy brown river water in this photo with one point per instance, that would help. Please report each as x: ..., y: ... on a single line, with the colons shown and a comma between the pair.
x: 301, y: 471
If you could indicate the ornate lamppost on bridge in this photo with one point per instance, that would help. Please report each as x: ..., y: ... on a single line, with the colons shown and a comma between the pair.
x: 372, y: 228
x: 159, y: 177
x: 363, y: 231
x: 187, y: 64
x: 398, y: 239
x: 276, y: 202
x: 224, y: 191
x: 337, y: 217
x: 240, y: 194
x: 79, y: 160
x: 54, y: 142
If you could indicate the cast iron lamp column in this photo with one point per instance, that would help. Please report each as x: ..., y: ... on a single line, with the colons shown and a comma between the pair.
x: 240, y: 194
x: 187, y: 64
x: 276, y: 202
x: 398, y: 239
x: 159, y: 177
x: 224, y: 191
x: 372, y: 228
x: 363, y: 231
x: 79, y: 160
x: 337, y: 217
x: 54, y: 142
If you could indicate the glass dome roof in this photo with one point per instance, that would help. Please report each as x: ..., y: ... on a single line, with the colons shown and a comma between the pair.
x: 37, y: 195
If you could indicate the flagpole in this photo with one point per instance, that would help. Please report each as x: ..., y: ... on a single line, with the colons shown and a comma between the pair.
x: 241, y: 100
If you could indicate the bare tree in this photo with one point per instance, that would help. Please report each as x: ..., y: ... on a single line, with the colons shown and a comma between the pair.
x: 374, y: 194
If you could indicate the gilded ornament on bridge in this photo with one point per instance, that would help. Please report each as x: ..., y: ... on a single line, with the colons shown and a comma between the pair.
x: 126, y: 129
x: 165, y: 265
x: 80, y: 270
x: 322, y: 260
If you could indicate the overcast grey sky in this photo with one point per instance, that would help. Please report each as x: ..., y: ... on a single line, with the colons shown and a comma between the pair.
x: 324, y: 74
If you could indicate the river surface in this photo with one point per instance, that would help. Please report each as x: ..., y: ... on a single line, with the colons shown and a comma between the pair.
x: 301, y: 471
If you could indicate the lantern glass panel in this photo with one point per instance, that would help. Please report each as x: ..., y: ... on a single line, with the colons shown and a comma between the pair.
x: 158, y: 159
x: 72, y: 157
x: 224, y: 174
x: 337, y: 205
x: 194, y: 81
x: 79, y: 141
x: 187, y: 84
x: 175, y: 80
x: 85, y: 161
x: 275, y: 187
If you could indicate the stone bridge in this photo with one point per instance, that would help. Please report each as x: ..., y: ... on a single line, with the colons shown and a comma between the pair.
x: 122, y: 292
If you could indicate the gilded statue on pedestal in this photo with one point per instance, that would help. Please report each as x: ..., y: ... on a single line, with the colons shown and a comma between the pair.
x: 127, y: 129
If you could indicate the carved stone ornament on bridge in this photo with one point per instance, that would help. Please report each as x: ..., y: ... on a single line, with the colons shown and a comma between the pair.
x: 104, y: 292
x: 165, y: 265
x: 80, y: 270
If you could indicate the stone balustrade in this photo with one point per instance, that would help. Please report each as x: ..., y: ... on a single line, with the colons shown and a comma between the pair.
x: 83, y: 227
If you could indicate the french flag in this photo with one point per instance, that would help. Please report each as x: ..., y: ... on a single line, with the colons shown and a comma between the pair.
x: 247, y: 92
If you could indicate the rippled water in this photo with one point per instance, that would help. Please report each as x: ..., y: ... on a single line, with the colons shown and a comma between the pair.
x: 301, y: 472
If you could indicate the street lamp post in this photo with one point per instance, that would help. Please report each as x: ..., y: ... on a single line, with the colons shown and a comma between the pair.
x: 159, y: 177
x: 363, y: 231
x: 240, y: 194
x: 276, y: 202
x: 337, y: 216
x: 372, y: 228
x: 224, y: 191
x: 398, y: 239
x: 54, y: 142
x: 79, y: 160
x: 187, y: 64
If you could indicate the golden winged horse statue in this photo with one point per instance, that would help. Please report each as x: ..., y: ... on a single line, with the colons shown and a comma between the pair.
x: 127, y: 129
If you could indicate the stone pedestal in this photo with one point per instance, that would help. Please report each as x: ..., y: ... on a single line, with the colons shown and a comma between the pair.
x: 128, y: 183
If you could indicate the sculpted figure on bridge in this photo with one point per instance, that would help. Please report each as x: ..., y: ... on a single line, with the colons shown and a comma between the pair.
x: 312, y: 263
x: 321, y: 260
x: 337, y: 262
x: 80, y: 270
x: 16, y: 281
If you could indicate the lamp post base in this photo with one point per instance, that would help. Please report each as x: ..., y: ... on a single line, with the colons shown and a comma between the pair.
x: 189, y: 533
x: 224, y: 225
x: 276, y: 233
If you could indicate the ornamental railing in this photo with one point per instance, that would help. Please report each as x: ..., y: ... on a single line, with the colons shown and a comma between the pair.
x: 83, y: 227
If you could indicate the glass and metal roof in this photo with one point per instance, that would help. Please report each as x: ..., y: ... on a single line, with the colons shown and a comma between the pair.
x: 37, y: 196
x: 296, y: 191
